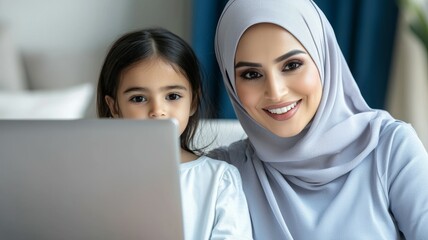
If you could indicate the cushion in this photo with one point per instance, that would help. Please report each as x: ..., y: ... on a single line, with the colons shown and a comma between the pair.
x: 213, y: 133
x: 11, y: 68
x: 59, y: 69
x: 66, y: 103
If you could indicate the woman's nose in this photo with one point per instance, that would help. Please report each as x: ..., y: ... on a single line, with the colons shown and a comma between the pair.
x: 275, y: 87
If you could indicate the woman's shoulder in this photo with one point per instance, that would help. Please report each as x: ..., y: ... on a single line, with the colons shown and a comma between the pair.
x: 398, y: 146
x: 232, y: 153
x: 397, y: 131
x: 398, y: 139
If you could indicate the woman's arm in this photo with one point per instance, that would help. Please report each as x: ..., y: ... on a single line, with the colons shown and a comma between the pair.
x: 406, y: 178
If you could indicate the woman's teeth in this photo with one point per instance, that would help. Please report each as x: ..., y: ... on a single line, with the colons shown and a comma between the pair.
x: 283, y: 109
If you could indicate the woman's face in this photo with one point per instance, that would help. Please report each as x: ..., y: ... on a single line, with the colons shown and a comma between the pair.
x: 277, y: 81
x: 153, y: 89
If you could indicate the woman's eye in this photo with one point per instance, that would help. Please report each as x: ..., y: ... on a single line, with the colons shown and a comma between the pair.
x: 251, y: 75
x: 292, y: 66
x: 138, y: 99
x: 173, y: 96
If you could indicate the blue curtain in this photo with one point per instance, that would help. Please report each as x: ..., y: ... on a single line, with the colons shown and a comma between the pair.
x: 205, y: 16
x: 365, y: 30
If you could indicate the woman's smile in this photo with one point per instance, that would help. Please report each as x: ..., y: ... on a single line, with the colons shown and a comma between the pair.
x: 282, y: 112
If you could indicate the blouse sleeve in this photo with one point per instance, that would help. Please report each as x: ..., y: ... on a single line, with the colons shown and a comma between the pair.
x: 407, y: 182
x: 232, y: 220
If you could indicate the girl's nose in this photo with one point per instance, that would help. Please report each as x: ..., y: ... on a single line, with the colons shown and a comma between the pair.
x: 275, y: 87
x: 157, y: 110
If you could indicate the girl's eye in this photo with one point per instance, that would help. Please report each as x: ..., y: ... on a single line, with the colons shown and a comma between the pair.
x: 292, y: 66
x: 251, y: 75
x: 138, y: 99
x: 173, y: 96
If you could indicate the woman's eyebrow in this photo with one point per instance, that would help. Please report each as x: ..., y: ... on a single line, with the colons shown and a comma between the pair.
x: 289, y: 54
x: 278, y: 59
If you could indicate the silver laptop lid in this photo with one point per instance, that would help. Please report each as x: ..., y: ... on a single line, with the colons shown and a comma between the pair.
x: 89, y: 179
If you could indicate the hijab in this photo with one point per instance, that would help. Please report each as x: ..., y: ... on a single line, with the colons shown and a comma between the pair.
x: 344, y: 129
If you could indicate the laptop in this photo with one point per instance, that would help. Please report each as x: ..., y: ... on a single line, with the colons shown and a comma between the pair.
x: 90, y: 179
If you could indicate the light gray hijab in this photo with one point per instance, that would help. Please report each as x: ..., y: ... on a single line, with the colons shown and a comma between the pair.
x: 343, y: 131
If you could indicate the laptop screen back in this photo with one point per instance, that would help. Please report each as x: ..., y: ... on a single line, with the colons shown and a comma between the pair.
x: 89, y: 179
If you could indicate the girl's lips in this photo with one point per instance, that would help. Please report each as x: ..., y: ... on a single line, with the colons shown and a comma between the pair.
x: 284, y: 111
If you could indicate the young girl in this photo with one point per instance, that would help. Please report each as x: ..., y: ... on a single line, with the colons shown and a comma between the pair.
x: 154, y: 74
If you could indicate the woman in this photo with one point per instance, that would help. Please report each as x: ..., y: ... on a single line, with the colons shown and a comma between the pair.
x: 318, y: 161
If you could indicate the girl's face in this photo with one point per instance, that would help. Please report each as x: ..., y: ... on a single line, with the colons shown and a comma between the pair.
x: 277, y: 81
x: 153, y: 89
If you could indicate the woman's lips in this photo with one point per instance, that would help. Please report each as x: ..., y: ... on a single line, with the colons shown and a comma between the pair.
x: 282, y: 112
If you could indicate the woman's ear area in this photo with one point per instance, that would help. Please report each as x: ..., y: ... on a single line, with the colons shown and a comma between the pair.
x: 112, y: 106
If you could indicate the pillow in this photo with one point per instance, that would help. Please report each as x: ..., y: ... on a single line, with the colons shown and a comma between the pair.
x: 46, y: 67
x: 11, y: 68
x: 214, y: 133
x: 67, y: 103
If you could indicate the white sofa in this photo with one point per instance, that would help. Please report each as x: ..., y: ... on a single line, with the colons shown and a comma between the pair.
x: 214, y: 133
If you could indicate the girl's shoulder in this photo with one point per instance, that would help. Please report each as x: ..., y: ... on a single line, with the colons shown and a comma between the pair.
x: 210, y: 168
x: 219, y: 165
x: 228, y: 175
x: 207, y: 163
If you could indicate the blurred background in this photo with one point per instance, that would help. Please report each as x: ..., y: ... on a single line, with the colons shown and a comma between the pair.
x: 51, y: 51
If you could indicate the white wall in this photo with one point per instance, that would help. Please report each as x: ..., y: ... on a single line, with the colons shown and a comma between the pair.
x: 66, y: 40
x: 81, y: 24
